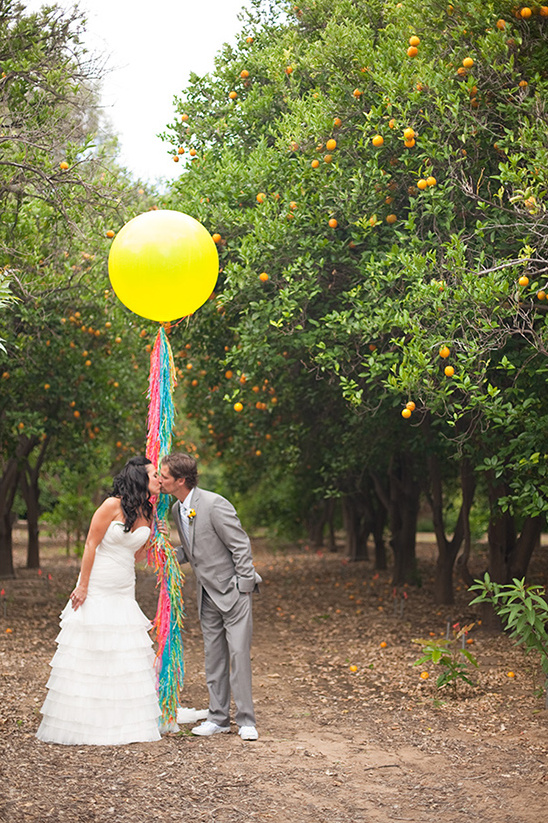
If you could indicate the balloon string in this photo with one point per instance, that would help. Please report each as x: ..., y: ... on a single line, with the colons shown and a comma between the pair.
x: 170, y: 579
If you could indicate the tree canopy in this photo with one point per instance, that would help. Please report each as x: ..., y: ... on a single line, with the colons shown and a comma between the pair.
x: 375, y: 177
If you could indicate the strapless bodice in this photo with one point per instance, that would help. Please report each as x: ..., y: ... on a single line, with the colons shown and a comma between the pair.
x: 114, y: 565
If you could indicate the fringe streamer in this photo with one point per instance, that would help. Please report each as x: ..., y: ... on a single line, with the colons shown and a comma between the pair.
x: 170, y: 612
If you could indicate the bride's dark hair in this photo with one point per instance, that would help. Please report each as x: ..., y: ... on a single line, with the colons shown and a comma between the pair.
x: 131, y: 486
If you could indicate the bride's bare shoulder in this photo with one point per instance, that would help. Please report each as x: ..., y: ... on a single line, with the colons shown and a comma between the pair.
x: 110, y: 507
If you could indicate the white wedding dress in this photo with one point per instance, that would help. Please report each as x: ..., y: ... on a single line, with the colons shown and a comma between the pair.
x: 102, y: 687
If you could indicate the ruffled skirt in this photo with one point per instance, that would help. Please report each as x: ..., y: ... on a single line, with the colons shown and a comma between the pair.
x: 102, y: 686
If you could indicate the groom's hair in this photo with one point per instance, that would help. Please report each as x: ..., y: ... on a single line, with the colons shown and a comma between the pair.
x: 182, y: 467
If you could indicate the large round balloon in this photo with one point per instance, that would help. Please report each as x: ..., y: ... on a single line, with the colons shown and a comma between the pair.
x: 163, y: 265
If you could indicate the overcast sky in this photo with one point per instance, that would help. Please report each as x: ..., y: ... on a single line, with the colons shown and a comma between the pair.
x: 152, y: 49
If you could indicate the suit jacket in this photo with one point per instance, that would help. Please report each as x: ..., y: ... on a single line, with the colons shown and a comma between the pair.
x: 218, y: 550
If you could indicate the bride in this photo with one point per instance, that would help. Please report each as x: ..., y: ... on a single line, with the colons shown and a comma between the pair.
x: 102, y: 687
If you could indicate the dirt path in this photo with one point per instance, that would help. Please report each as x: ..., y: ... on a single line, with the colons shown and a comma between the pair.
x: 365, y: 746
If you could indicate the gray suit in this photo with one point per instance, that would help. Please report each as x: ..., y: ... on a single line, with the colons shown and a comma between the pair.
x: 219, y: 552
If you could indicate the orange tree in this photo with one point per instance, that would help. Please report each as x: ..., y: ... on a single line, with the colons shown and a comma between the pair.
x: 71, y: 385
x: 375, y: 178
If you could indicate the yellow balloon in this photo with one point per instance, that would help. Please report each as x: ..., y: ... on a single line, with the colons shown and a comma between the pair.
x: 163, y: 265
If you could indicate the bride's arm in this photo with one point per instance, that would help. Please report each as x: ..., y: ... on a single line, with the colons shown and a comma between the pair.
x: 100, y: 522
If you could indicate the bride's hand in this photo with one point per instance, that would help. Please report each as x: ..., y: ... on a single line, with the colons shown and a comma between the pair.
x: 78, y: 596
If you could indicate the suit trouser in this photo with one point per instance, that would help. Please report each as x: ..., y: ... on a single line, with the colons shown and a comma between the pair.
x: 227, y: 646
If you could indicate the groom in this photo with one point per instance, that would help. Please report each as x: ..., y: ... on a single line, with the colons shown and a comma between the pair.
x: 218, y: 549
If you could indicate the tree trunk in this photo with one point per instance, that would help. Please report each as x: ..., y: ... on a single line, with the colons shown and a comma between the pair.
x: 509, y: 555
x: 378, y: 537
x: 351, y: 520
x: 30, y: 489
x: 330, y: 512
x: 448, y: 549
x: 403, y: 512
x: 6, y: 543
x: 8, y: 487
x: 316, y: 523
x: 528, y: 540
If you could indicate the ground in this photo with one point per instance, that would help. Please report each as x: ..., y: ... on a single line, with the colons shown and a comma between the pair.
x: 349, y: 731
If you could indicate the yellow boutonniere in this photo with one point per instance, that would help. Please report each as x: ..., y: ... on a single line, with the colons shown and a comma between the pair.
x: 191, y: 515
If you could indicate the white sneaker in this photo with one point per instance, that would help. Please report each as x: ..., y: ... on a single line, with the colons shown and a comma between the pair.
x: 207, y: 728
x: 248, y: 733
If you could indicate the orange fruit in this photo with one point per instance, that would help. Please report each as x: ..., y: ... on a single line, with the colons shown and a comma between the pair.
x: 410, y: 405
x: 391, y: 218
x: 261, y: 197
x: 543, y: 11
x: 431, y: 181
x: 510, y: 674
x: 238, y: 407
x: 357, y: 93
x: 424, y: 675
x: 406, y: 413
x: 249, y: 40
x: 523, y: 83
x: 63, y: 165
x: 337, y: 122
x: 76, y: 413
x: 501, y: 24
x: 445, y: 351
x: 315, y: 164
x: 216, y: 237
x: 289, y: 70
x: 176, y: 158
x: 523, y: 280
x: 192, y: 152
x: 263, y: 276
x: 333, y: 223
x: 377, y: 140
x: 228, y: 374
x: 409, y: 143
x: 110, y: 233
x: 383, y: 644
x: 525, y: 12
x: 412, y: 51
x: 541, y: 295
x: 328, y: 158
x: 408, y: 133
x: 244, y: 73
x: 422, y: 184
x: 233, y: 95
x: 180, y: 150
x: 331, y: 145
x: 449, y: 371
x: 47, y: 386
x: 392, y: 123
x: 414, y: 40
x: 353, y: 668
x: 468, y: 62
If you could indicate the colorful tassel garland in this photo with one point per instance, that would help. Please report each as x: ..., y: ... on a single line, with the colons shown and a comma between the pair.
x: 170, y: 612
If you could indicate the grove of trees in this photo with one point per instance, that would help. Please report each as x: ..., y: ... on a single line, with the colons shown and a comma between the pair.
x: 72, y: 399
x: 375, y: 176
